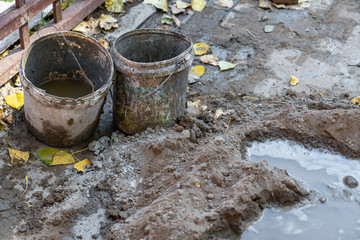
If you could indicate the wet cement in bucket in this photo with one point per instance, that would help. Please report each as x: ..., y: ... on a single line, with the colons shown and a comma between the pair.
x: 336, y: 218
x: 70, y: 88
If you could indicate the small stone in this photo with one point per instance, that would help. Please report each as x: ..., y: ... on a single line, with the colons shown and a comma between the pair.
x: 217, y: 178
x: 94, y: 236
x: 186, y: 134
x: 123, y: 214
x: 179, y: 128
x: 192, y: 112
x: 322, y: 199
x: 210, y: 196
x: 97, y: 164
x: 350, y: 181
x: 193, y: 136
x: 23, y: 228
x: 291, y: 92
x: 219, y: 140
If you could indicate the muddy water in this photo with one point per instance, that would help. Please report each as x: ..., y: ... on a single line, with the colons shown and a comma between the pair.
x: 69, y: 88
x: 337, y: 218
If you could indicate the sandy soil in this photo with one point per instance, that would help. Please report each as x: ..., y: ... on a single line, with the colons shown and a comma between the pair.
x: 193, y: 180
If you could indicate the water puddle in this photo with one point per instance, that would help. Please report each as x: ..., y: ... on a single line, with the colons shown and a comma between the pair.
x: 336, y: 218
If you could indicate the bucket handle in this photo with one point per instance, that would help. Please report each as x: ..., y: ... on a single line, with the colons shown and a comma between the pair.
x: 72, y: 53
x: 177, y: 66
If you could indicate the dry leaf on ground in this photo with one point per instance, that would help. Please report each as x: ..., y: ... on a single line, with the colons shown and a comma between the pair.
x: 225, y: 3
x: 104, y: 42
x: 176, y: 20
x: 356, y: 100
x: 166, y: 19
x: 210, y: 59
x: 51, y: 156
x: 198, y: 5
x: 107, y: 22
x: 182, y: 5
x: 226, y: 65
x: 201, y: 48
x: 294, y: 80
x: 197, y: 70
x: 176, y: 10
x: 19, y: 155
x: 62, y: 157
x: 87, y: 27
x: 160, y: 4
x: 197, y: 104
x: 15, y: 100
x: 80, y: 165
x: 218, y: 113
x: 116, y: 6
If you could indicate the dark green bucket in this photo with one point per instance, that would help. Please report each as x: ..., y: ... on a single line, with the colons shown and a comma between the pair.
x: 151, y: 78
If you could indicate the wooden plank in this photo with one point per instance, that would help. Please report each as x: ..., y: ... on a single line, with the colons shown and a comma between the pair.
x: 24, y: 29
x: 19, y: 3
x: 24, y: 36
x: 57, y: 11
x: 14, y: 36
x: 71, y: 17
x: 13, y: 18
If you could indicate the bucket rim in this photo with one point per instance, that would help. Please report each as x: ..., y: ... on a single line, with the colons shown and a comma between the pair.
x: 26, y: 83
x: 156, y: 64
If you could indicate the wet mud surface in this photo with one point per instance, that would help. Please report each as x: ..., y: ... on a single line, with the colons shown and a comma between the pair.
x: 194, y: 180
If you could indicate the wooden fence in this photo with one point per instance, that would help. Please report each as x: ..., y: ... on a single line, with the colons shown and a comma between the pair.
x: 18, y: 16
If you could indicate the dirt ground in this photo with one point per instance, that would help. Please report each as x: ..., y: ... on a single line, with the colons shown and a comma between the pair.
x: 194, y: 180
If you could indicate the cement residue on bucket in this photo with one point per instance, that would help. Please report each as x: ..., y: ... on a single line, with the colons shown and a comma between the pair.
x: 68, y: 115
x: 152, y: 72
x: 335, y: 218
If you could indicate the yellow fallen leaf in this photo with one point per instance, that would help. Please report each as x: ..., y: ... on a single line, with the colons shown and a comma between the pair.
x: 356, y: 100
x: 107, y: 22
x: 197, y: 70
x: 176, y: 20
x: 116, y: 6
x: 17, y: 154
x: 293, y: 80
x: 160, y: 4
x: 104, y: 42
x: 201, y: 48
x: 80, y: 165
x: 62, y: 157
x: 182, y: 5
x: 210, y: 59
x: 218, y: 113
x: 15, y: 100
x: 197, y: 184
x: 225, y: 3
x: 198, y: 5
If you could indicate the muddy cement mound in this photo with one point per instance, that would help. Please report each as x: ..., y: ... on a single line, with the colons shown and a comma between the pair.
x: 191, y: 181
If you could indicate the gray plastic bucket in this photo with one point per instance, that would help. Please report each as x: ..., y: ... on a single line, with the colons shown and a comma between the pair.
x: 59, y: 121
x: 151, y: 78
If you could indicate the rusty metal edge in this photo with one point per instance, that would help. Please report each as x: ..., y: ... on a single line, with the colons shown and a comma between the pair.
x: 71, y: 17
